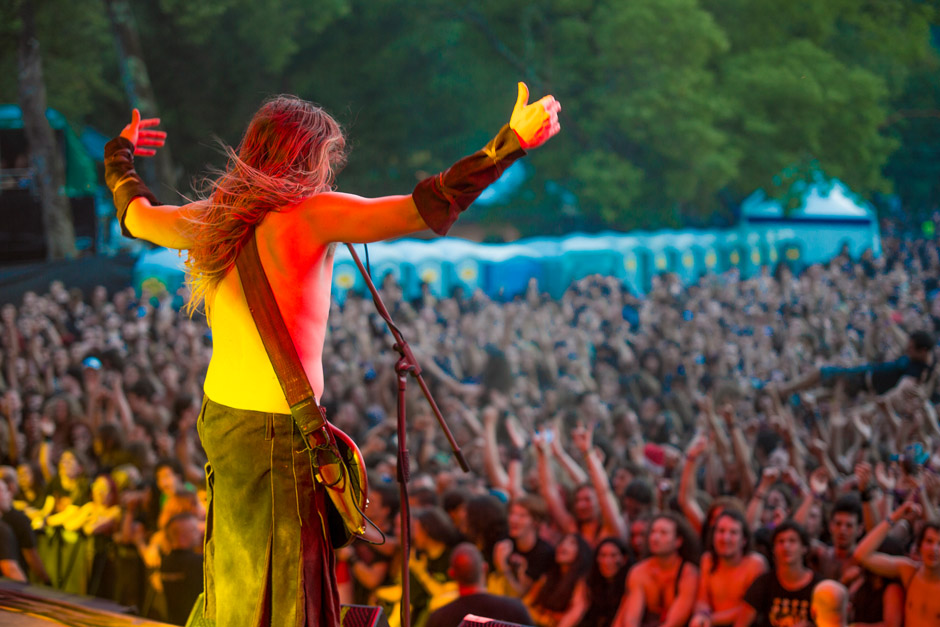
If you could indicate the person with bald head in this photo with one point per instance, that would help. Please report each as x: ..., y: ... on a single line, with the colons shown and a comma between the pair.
x: 468, y: 569
x: 830, y: 604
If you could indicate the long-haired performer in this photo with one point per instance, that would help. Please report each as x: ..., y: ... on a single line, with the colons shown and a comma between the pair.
x: 268, y: 558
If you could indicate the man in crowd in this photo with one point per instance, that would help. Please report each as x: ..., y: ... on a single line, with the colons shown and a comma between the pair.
x: 728, y: 568
x: 181, y: 570
x: 523, y: 557
x: 837, y: 562
x: 370, y: 566
x: 21, y: 527
x: 845, y: 527
x: 877, y: 378
x: 661, y: 589
x: 781, y: 597
x: 830, y: 606
x: 586, y: 515
x: 468, y: 569
x: 921, y: 580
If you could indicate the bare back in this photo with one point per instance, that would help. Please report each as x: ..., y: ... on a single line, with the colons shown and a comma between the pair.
x: 300, y: 272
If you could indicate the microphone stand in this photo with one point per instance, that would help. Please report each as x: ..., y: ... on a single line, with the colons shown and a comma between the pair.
x: 406, y: 364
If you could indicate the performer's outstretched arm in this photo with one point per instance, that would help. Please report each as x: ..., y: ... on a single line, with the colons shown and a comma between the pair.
x: 438, y: 200
x: 332, y: 216
x: 138, y: 210
x: 164, y: 225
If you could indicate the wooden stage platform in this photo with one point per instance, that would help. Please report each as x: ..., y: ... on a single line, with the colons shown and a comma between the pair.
x: 35, y: 606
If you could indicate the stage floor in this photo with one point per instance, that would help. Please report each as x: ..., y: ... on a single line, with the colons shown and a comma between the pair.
x: 34, y: 606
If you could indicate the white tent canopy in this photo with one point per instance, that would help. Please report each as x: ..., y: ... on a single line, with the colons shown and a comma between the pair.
x: 822, y: 201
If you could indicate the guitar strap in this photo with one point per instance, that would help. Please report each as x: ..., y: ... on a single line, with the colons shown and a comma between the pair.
x: 330, y: 469
x: 277, y: 341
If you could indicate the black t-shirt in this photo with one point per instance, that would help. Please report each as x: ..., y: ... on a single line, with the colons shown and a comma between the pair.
x: 480, y: 604
x: 538, y: 560
x: 868, y: 600
x: 885, y: 376
x: 437, y: 569
x: 369, y: 556
x: 25, y: 536
x: 181, y: 572
x: 9, y: 549
x: 778, y: 607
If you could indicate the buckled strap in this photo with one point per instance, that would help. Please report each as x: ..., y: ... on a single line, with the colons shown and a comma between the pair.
x: 308, y: 416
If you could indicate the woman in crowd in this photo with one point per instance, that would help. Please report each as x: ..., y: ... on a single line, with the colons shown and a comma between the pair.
x: 70, y: 489
x: 599, y: 595
x: 552, y: 599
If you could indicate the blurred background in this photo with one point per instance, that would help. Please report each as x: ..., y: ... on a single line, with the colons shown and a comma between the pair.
x: 675, y: 111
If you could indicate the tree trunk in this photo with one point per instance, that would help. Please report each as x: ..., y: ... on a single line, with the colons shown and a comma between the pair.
x: 139, y: 90
x: 45, y: 157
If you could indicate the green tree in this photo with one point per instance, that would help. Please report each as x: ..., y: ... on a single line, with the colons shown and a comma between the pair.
x: 673, y: 109
x: 914, y: 168
x: 45, y: 158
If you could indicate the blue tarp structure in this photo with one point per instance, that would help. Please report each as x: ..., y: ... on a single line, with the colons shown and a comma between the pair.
x: 81, y: 178
x: 765, y: 236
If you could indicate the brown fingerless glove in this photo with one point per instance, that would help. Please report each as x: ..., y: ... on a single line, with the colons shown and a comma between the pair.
x: 442, y: 197
x: 122, y: 179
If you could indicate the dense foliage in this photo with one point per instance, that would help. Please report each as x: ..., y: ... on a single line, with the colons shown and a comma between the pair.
x: 674, y: 110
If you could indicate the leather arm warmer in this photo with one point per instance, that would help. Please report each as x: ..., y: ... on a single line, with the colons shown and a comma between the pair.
x: 442, y: 197
x: 122, y: 179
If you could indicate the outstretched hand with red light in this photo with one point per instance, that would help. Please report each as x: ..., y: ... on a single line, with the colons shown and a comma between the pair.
x: 534, y: 124
x: 141, y: 134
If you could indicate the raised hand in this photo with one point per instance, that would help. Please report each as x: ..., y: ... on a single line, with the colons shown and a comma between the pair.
x: 769, y: 476
x: 697, y: 446
x: 819, y: 481
x: 534, y: 124
x: 907, y: 509
x: 582, y: 436
x: 501, y: 552
x: 139, y: 132
x: 863, y: 474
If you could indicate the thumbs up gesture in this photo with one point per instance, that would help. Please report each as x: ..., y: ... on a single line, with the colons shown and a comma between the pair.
x: 534, y: 123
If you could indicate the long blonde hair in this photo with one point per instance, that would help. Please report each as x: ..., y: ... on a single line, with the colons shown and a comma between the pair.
x: 291, y: 150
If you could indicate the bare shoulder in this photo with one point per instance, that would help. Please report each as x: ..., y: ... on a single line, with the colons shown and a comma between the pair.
x: 326, y: 201
x: 705, y: 564
x: 907, y: 569
x: 639, y: 572
x: 331, y: 204
x: 337, y: 216
x: 325, y: 208
x: 756, y: 563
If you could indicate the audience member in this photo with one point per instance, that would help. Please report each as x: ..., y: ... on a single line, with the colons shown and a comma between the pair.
x: 468, y: 569
x: 728, y: 569
x: 590, y: 400
x: 782, y: 596
x: 830, y: 604
x: 552, y: 600
x: 921, y: 579
x: 661, y: 589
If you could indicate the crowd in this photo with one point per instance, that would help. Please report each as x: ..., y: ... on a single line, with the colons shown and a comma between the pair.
x: 739, y: 451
